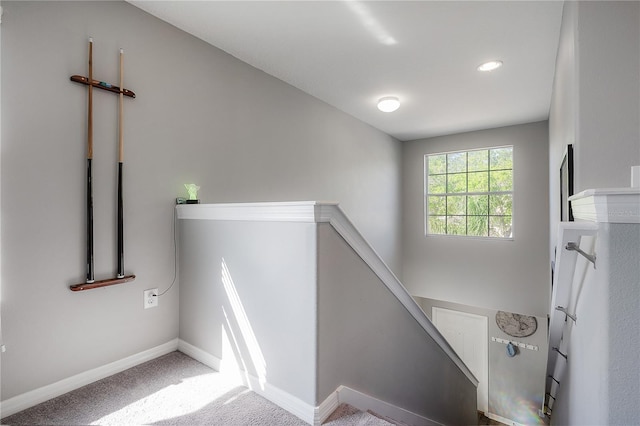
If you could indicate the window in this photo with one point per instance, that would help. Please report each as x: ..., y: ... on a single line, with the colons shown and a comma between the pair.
x: 470, y: 193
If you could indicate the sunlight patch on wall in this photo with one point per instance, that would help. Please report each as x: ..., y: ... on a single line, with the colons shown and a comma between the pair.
x: 232, y: 364
x: 244, y: 326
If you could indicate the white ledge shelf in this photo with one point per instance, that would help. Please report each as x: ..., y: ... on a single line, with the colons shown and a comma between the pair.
x: 608, y: 205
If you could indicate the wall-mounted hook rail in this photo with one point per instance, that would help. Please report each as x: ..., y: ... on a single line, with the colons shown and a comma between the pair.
x: 558, y: 350
x: 564, y: 311
x: 513, y: 342
x: 574, y: 247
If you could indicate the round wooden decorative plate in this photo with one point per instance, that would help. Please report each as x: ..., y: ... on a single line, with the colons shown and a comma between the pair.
x: 516, y: 325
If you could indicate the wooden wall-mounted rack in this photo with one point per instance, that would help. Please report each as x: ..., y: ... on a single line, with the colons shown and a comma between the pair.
x: 102, y: 283
x: 120, y: 278
x: 102, y: 85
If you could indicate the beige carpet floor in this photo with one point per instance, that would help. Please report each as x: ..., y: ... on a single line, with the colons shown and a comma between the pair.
x: 171, y: 390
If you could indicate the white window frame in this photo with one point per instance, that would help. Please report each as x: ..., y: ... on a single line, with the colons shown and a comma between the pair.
x: 426, y: 194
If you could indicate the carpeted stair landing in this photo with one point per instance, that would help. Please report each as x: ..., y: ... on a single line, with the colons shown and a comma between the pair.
x: 172, y: 390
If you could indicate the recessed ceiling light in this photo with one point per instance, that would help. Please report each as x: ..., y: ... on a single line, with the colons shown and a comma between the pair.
x: 489, y: 66
x: 388, y: 104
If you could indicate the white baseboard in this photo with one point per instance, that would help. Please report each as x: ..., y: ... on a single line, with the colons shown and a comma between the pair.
x: 45, y: 393
x: 285, y: 400
x: 307, y: 412
x: 366, y: 402
x: 310, y: 414
x: 502, y: 419
x: 324, y: 410
x: 199, y: 355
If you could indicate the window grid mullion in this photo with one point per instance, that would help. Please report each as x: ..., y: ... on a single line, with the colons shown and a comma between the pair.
x: 446, y: 198
x: 466, y: 194
x: 488, y: 190
x: 466, y: 197
x: 451, y: 194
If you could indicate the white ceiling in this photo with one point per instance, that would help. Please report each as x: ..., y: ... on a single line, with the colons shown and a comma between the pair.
x: 351, y: 53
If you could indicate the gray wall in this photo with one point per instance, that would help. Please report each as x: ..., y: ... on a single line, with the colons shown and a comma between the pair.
x: 200, y: 116
x: 601, y: 382
x: 516, y: 385
x: 369, y: 342
x: 492, y: 274
x: 595, y: 107
x: 562, y: 115
x: 608, y: 133
x: 255, y: 283
x: 624, y: 304
x: 348, y: 330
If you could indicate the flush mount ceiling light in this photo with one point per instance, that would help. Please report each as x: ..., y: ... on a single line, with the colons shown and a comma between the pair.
x: 489, y: 66
x: 388, y: 104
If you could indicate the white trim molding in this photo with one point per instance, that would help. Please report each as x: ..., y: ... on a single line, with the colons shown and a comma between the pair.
x: 283, y: 399
x: 503, y: 419
x: 612, y: 205
x: 45, y: 393
x: 199, y: 355
x: 296, y: 211
x: 326, y: 408
x: 313, y: 415
x: 323, y: 212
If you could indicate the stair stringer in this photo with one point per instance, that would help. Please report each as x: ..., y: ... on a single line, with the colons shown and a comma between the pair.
x: 372, y: 342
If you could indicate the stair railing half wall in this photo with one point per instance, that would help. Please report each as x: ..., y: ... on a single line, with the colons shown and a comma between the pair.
x: 328, y: 212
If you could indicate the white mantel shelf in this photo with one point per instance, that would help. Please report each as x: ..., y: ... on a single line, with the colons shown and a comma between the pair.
x: 329, y: 212
x: 607, y: 205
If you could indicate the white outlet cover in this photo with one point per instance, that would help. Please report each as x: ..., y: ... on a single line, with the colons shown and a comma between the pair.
x: 150, y: 298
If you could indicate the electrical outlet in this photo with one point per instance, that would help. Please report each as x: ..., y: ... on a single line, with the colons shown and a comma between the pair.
x: 151, y: 298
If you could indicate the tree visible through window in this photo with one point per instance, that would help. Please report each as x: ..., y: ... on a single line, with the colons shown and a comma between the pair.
x: 470, y: 193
